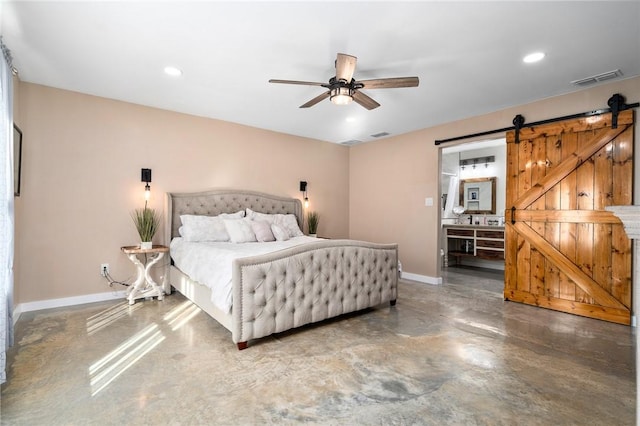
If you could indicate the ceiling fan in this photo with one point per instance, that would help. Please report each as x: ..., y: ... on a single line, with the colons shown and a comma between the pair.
x: 343, y: 88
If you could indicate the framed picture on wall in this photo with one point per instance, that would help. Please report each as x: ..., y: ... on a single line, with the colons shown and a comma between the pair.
x: 473, y: 193
x: 17, y: 159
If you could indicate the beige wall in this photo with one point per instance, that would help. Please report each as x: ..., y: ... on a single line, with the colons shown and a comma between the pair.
x: 390, y: 179
x: 81, y: 178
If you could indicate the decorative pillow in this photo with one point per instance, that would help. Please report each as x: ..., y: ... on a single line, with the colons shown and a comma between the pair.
x: 203, y: 228
x: 262, y: 229
x: 279, y: 232
x: 289, y: 223
x: 270, y: 218
x: 237, y: 215
x: 239, y: 230
x: 206, y: 228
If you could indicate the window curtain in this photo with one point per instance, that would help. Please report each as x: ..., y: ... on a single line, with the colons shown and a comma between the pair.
x: 6, y: 206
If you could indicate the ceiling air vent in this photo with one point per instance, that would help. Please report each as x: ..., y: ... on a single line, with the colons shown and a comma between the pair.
x: 379, y: 135
x: 351, y: 142
x: 597, y: 78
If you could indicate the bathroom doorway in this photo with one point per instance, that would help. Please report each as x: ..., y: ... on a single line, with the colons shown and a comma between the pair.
x: 472, y: 202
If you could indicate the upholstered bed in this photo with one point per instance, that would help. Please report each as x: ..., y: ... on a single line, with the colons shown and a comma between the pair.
x: 291, y: 287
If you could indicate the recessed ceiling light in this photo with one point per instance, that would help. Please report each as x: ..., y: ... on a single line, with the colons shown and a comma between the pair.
x: 172, y: 71
x: 533, y: 57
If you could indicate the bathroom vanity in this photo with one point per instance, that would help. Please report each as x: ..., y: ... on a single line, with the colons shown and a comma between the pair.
x: 473, y: 241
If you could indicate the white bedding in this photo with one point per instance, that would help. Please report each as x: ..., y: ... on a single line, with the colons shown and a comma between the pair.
x: 210, y: 263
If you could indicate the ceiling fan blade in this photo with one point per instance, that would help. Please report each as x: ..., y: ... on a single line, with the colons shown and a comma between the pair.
x: 345, y: 66
x: 317, y: 99
x: 303, y: 83
x: 365, y: 100
x: 389, y: 83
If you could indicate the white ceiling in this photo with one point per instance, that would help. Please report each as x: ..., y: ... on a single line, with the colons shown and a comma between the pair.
x: 468, y: 56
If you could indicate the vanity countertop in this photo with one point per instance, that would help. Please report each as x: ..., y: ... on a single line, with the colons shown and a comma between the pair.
x: 451, y: 225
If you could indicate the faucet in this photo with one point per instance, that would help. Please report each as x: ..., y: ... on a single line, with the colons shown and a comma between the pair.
x: 470, y: 219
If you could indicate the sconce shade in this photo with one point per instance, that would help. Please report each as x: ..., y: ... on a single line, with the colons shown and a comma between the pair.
x: 145, y: 175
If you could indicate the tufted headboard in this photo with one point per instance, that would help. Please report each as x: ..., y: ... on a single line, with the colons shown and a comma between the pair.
x: 216, y: 201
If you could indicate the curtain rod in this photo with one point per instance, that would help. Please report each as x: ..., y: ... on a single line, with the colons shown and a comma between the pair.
x: 616, y: 103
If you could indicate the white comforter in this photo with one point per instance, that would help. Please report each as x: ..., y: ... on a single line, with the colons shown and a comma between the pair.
x: 210, y: 264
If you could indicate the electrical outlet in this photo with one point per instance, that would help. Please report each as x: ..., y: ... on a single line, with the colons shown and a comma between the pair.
x: 104, y: 269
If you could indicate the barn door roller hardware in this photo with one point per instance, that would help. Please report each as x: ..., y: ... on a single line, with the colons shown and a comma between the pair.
x: 518, y: 122
x: 616, y: 105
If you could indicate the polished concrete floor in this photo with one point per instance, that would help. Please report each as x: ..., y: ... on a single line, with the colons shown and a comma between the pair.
x: 455, y: 354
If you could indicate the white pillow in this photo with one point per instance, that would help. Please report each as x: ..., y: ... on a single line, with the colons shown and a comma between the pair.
x: 239, y: 230
x: 203, y: 228
x: 206, y: 228
x: 289, y: 223
x: 237, y: 215
x: 279, y: 232
x: 262, y: 229
x: 270, y: 218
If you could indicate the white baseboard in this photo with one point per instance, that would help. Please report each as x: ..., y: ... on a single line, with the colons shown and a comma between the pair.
x: 66, y: 301
x: 422, y: 278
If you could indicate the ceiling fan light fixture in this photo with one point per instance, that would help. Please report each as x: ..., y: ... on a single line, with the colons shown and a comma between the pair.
x: 341, y: 95
x: 343, y: 88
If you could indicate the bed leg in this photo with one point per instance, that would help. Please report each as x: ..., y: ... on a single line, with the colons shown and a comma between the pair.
x: 393, y: 302
x: 242, y: 345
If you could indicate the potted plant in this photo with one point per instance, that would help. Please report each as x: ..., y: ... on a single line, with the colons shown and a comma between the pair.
x: 147, y: 222
x: 312, y: 222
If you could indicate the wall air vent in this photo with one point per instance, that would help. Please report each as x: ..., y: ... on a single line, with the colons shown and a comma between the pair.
x: 381, y: 134
x: 351, y: 142
x: 597, y: 78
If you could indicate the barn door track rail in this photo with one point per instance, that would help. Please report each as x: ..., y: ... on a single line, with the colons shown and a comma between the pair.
x: 616, y: 104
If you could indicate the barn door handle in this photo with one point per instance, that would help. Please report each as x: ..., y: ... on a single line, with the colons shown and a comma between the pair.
x: 513, y: 215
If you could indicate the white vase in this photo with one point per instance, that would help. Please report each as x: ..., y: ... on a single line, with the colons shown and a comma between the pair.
x: 146, y: 245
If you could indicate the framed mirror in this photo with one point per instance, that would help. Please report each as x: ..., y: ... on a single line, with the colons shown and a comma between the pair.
x: 478, y: 196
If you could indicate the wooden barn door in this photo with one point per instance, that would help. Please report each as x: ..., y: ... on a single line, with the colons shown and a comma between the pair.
x: 563, y: 251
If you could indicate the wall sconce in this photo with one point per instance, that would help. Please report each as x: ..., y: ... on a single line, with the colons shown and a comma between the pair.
x: 303, y: 189
x: 475, y: 161
x: 145, y: 176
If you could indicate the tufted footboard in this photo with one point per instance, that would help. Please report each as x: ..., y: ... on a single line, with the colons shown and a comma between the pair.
x: 305, y: 284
